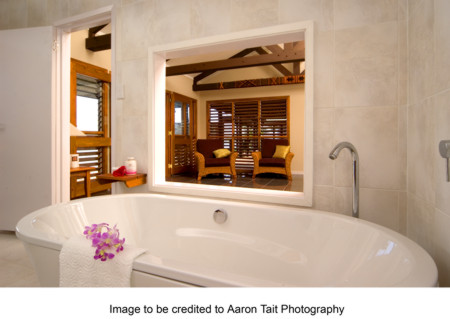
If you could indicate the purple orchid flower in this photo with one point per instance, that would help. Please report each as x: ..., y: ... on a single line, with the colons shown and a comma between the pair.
x: 106, y: 241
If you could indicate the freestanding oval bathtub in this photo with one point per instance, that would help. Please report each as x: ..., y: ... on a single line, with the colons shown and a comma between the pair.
x: 258, y: 244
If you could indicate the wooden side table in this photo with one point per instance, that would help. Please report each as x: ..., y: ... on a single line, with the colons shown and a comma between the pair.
x: 83, y: 172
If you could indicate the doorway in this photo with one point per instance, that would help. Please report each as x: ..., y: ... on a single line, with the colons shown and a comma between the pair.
x: 181, y: 134
x: 90, y: 122
x: 62, y: 93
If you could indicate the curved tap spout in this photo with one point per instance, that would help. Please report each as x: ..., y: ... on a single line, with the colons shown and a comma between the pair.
x: 333, y: 155
x: 337, y: 149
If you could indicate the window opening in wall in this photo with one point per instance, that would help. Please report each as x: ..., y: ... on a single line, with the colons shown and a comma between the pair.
x: 207, y: 63
x: 89, y: 104
x: 253, y: 111
x: 90, y: 117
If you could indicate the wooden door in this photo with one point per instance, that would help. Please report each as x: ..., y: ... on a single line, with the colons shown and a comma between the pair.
x: 181, y: 133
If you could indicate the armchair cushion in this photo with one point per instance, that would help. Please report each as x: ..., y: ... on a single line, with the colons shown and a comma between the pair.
x: 207, y: 146
x: 281, y: 151
x: 270, y: 161
x: 268, y: 146
x: 221, y: 153
x: 215, y: 162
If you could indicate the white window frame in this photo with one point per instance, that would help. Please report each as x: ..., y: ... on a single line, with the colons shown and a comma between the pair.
x: 232, y: 41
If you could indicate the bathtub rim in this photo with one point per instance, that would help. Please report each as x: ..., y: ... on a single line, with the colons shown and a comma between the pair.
x: 29, y: 234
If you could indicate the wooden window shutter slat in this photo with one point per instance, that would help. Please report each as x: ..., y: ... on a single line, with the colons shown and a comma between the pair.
x: 243, y: 123
x: 220, y: 120
x: 92, y: 157
x: 274, y: 120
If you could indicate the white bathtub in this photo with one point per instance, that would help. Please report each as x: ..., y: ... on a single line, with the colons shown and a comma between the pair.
x: 258, y: 245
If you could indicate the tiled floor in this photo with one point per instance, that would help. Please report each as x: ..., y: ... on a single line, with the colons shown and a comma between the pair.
x: 264, y: 181
x: 16, y: 269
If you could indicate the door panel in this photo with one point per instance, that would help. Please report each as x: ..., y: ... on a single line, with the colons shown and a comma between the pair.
x: 181, y: 134
x: 26, y: 61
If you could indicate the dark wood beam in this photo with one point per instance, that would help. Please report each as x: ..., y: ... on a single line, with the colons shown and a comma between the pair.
x: 299, y: 46
x: 99, y: 43
x: 277, y: 66
x: 237, y: 55
x: 93, y: 31
x: 296, y: 46
x: 297, y: 67
x: 243, y: 62
x: 285, y: 80
x: 275, y: 48
x: 288, y: 46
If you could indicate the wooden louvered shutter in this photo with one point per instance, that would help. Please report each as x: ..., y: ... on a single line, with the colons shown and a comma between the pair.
x: 244, y: 123
x: 91, y: 88
x: 93, y: 156
x: 245, y: 133
x: 221, y: 122
x: 274, y: 119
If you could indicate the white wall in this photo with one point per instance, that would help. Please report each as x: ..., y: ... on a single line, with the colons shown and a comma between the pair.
x: 181, y: 84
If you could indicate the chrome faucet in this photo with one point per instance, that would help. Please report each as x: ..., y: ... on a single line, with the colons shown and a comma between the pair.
x: 333, y: 155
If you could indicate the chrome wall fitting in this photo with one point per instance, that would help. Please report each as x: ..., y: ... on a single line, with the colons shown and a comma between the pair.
x: 220, y: 216
x: 444, y: 150
x: 333, y: 155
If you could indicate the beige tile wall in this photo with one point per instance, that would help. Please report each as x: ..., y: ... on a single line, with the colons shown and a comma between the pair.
x: 381, y: 82
x: 428, y: 196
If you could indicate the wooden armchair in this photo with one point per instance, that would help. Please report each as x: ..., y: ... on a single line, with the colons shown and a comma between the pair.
x: 207, y: 163
x: 264, y: 162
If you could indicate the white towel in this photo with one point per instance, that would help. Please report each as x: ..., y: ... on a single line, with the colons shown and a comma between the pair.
x: 78, y: 268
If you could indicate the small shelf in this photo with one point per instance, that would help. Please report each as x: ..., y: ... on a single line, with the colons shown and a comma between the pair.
x: 129, y: 180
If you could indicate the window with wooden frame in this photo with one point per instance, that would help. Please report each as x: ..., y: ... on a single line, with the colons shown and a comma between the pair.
x: 243, y: 123
x: 90, y: 113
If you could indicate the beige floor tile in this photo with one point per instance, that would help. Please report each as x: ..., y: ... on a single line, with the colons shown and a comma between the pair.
x: 16, y: 269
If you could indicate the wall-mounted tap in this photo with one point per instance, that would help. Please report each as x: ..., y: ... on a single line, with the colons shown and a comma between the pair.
x: 444, y: 150
x: 333, y: 155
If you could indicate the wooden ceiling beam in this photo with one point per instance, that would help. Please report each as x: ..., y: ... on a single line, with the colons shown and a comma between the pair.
x: 242, y: 53
x: 296, y: 67
x: 285, y: 56
x: 275, y: 48
x: 285, y: 80
x: 299, y: 46
x: 296, y: 46
x: 93, y: 31
x: 288, y: 46
x: 98, y: 43
x: 277, y: 66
